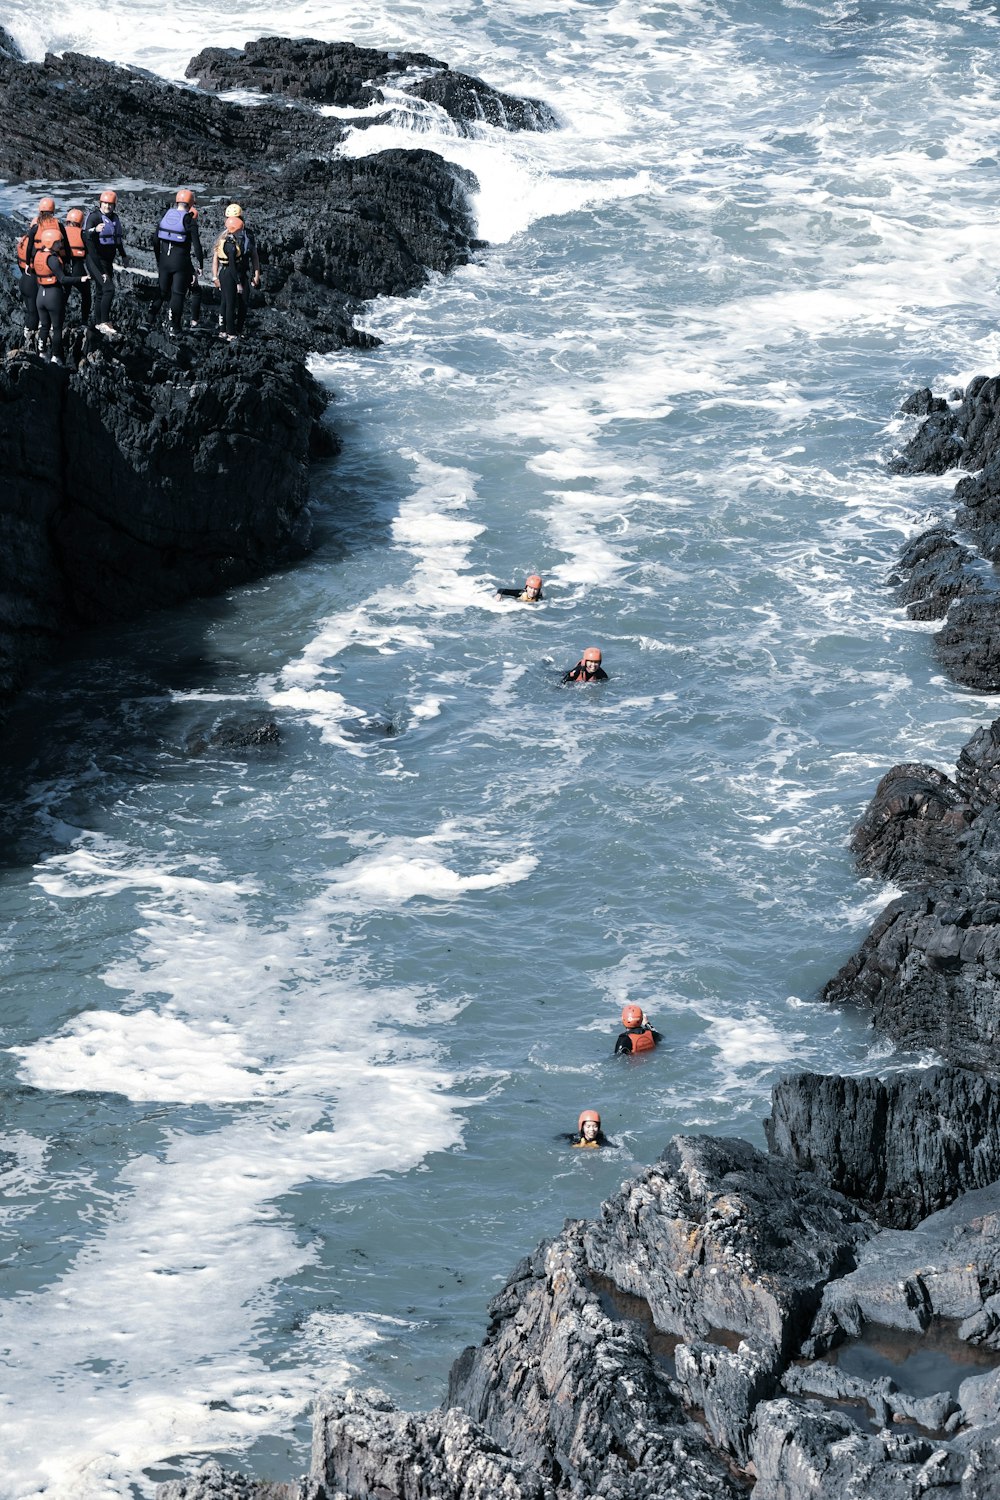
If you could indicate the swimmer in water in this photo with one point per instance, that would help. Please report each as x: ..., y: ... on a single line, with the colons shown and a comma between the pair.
x: 530, y: 594
x: 638, y: 1035
x: 589, y: 1134
x: 588, y: 668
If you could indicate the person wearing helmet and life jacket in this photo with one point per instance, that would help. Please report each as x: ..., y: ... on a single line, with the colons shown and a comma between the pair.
x: 230, y: 273
x: 28, y: 283
x: 588, y: 668
x: 251, y: 264
x: 104, y: 242
x: 74, y: 238
x: 530, y: 594
x: 638, y: 1035
x: 179, y: 256
x: 52, y: 265
x: 589, y: 1135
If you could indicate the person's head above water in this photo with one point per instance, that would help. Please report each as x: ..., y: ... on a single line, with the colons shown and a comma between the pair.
x: 533, y: 586
x: 589, y: 1124
x: 591, y: 658
x: 632, y: 1016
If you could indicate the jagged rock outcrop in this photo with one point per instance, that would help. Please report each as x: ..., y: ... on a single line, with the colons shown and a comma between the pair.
x: 936, y: 569
x: 348, y: 76
x: 212, y: 1482
x: 470, y: 101
x: 910, y: 830
x: 565, y: 1399
x: 363, y: 1446
x: 143, y: 472
x: 929, y: 969
x: 339, y: 73
x: 903, y: 1147
x: 940, y: 574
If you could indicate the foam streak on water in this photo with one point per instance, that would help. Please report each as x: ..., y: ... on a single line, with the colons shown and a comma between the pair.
x: 289, y: 1039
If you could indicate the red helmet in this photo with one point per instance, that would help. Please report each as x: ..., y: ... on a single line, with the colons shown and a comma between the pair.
x: 533, y: 581
x: 588, y: 1114
x: 108, y: 196
x: 184, y: 195
x: 592, y: 653
x: 631, y: 1015
x: 74, y: 216
x: 234, y: 224
x: 46, y: 205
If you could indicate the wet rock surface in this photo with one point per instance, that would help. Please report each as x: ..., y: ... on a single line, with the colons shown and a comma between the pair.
x: 562, y: 1399
x: 903, y: 1147
x: 144, y: 470
x: 342, y: 74
x: 929, y: 969
x: 939, y: 576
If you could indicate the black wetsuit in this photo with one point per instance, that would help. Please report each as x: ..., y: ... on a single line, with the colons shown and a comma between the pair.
x: 577, y: 674
x: 178, y: 262
x: 51, y: 304
x: 251, y: 268
x: 103, y: 239
x: 517, y: 594
x: 624, y: 1042
x: 232, y: 283
x: 29, y: 296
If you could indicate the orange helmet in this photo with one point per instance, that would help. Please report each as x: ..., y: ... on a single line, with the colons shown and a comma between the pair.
x: 631, y: 1015
x: 46, y: 205
x: 185, y: 196
x: 533, y: 581
x: 588, y: 1114
x: 108, y: 196
x: 592, y: 653
x: 74, y: 216
x: 234, y: 224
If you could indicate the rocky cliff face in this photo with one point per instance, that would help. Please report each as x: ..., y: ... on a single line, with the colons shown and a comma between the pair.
x: 695, y: 1342
x: 939, y: 577
x: 143, y: 472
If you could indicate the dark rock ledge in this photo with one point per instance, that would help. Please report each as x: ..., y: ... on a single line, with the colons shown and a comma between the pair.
x: 952, y: 577
x: 739, y: 1322
x: 142, y: 472
x: 757, y: 1276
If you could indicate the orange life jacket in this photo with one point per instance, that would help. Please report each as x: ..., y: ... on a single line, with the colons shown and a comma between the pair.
x: 48, y: 241
x: 586, y: 1145
x: 22, y: 252
x: 642, y: 1041
x: 74, y: 234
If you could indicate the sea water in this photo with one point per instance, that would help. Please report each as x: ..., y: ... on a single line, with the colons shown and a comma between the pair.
x: 290, y: 1038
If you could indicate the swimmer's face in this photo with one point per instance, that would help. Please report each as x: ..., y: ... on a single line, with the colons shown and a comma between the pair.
x: 590, y: 666
x: 532, y: 590
x: 590, y: 1129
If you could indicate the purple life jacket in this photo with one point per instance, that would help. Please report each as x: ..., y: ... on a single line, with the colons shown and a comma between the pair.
x: 172, y: 227
x: 109, y: 231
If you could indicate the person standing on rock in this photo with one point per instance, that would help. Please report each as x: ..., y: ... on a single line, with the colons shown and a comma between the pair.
x: 104, y: 241
x: 74, y: 238
x: 229, y: 274
x: 29, y: 283
x: 51, y: 264
x: 251, y: 264
x: 588, y: 668
x: 638, y: 1035
x: 179, y: 256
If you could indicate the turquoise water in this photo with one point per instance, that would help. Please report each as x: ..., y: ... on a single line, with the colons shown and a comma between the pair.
x: 289, y: 1038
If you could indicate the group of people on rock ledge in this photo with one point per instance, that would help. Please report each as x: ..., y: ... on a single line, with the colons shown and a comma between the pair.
x: 80, y: 252
x: 638, y: 1036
